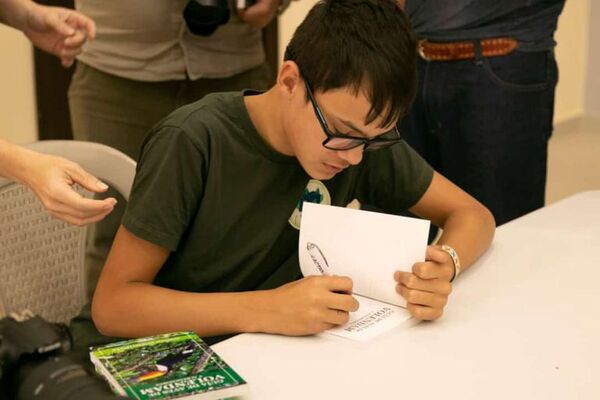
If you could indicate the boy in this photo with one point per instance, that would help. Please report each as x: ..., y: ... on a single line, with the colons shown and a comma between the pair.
x: 209, y: 239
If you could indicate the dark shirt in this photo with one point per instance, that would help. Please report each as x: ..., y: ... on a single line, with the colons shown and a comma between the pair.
x: 531, y: 22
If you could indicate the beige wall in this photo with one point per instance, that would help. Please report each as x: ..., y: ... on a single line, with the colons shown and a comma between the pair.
x: 290, y: 19
x: 572, y: 56
x: 592, y: 103
x: 18, y: 121
x: 572, y: 37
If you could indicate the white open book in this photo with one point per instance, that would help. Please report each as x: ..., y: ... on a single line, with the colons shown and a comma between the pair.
x: 368, y: 247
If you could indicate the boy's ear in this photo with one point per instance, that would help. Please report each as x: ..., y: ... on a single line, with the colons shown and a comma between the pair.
x: 289, y: 79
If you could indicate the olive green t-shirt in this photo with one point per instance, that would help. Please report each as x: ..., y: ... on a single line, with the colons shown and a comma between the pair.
x: 213, y: 192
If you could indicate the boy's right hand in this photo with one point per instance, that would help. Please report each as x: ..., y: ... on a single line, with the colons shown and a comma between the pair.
x: 310, y: 305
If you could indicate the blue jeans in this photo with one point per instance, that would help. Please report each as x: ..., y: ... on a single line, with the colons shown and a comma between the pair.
x: 485, y: 123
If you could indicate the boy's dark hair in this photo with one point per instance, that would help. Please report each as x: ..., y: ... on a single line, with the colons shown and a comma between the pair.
x: 364, y: 44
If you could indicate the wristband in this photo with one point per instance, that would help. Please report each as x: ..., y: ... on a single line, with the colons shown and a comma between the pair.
x: 455, y: 260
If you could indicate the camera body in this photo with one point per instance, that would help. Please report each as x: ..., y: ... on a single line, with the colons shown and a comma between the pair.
x: 35, y: 363
x: 203, y: 17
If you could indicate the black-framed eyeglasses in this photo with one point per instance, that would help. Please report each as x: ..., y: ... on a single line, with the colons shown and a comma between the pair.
x: 341, y: 142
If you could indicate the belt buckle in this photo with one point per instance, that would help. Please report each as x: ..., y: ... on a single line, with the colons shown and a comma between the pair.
x: 421, y: 51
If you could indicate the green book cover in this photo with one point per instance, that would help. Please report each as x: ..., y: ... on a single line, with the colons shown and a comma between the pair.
x: 170, y: 366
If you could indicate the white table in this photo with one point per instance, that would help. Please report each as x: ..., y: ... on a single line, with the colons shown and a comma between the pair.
x: 522, y: 323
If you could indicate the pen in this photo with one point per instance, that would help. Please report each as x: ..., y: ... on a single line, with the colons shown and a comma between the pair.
x: 318, y: 258
x: 320, y: 262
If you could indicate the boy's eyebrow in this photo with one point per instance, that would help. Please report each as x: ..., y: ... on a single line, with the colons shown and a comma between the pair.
x: 350, y: 125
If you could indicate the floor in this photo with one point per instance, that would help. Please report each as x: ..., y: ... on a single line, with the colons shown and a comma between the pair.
x: 573, y: 159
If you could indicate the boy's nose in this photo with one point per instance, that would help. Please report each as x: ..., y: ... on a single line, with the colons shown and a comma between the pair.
x: 352, y: 156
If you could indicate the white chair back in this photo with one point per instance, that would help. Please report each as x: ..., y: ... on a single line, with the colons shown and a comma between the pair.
x: 41, y: 257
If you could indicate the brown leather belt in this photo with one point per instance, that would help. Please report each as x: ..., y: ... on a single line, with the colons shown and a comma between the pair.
x: 452, y: 51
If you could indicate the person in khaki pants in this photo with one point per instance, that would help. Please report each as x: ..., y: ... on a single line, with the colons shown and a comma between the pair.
x: 144, y: 64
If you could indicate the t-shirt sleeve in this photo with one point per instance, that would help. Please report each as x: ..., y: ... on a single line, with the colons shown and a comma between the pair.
x: 394, y: 179
x: 168, y: 187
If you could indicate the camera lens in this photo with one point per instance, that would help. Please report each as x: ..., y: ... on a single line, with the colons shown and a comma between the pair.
x: 60, y: 378
x: 203, y: 17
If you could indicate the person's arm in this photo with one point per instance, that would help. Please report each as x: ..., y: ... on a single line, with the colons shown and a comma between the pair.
x: 13, y: 12
x: 56, y: 30
x: 468, y: 227
x: 51, y: 178
x: 127, y: 304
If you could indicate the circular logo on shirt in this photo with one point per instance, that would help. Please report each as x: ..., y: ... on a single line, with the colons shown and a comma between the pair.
x: 315, y: 192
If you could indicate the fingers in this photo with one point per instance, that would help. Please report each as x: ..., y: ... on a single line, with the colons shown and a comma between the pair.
x: 70, y: 206
x: 412, y: 281
x: 438, y: 265
x: 68, y: 54
x: 76, y: 40
x: 341, y: 284
x: 329, y: 299
x: 419, y: 297
x: 57, y: 20
x: 85, y: 179
x: 67, y: 59
x: 82, y: 23
x: 342, y: 302
x: 436, y: 255
x: 67, y: 22
x: 70, y: 202
x: 425, y: 298
x: 424, y: 313
x: 76, y: 29
x: 336, y: 317
x: 331, y: 292
x: 78, y: 221
x: 432, y: 270
x: 72, y: 46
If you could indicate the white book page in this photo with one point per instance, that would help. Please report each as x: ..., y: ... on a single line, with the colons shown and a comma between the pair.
x: 366, y: 246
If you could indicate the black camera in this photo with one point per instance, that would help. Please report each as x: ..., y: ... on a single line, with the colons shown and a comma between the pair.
x: 35, y: 363
x: 203, y: 17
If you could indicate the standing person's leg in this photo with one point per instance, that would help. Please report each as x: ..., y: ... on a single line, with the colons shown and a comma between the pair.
x: 415, y: 129
x: 116, y: 112
x: 493, y: 120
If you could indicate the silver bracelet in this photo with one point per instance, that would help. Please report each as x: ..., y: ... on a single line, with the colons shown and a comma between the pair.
x: 455, y: 260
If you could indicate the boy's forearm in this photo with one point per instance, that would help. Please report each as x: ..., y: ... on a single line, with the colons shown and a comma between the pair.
x: 142, y: 309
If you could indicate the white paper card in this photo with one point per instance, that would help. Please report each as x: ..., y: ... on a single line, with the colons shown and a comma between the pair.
x: 368, y: 247
x: 372, y: 319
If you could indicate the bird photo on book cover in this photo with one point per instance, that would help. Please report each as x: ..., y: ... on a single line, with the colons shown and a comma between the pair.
x: 171, y: 366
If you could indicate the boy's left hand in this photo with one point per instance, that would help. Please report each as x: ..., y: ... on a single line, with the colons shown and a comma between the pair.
x: 427, y: 287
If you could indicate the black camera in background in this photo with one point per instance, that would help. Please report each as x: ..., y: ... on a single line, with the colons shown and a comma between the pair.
x: 36, y: 363
x: 52, y: 82
x: 203, y: 17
